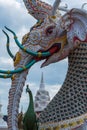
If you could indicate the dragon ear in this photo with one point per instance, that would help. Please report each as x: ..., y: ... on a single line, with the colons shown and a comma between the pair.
x: 75, y: 23
x: 38, y: 9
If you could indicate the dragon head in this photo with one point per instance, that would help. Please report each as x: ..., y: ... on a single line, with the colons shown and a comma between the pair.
x: 58, y: 34
x: 47, y: 35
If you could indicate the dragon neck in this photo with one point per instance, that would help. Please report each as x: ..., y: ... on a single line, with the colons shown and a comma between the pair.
x: 70, y: 103
x: 77, y: 67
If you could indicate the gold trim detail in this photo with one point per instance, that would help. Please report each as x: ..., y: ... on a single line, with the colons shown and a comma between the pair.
x: 15, y: 37
x: 24, y: 49
x: 8, y: 72
x: 5, y: 76
x: 71, y: 123
x: 24, y: 67
x: 17, y: 58
x: 13, y: 77
x: 25, y: 38
x: 39, y: 54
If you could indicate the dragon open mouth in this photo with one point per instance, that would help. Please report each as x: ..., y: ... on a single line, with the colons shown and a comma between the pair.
x: 56, y: 46
x: 53, y: 49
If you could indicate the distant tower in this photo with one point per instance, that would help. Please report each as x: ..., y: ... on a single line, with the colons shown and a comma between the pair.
x: 42, y: 98
x: 3, y: 124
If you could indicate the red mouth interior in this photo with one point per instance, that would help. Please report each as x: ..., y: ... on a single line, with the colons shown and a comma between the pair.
x: 53, y: 49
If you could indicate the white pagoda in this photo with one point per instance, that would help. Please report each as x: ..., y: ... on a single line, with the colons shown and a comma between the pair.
x: 3, y: 124
x: 42, y: 98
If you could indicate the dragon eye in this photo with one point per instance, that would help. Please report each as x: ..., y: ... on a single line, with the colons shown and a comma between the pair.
x: 49, y: 30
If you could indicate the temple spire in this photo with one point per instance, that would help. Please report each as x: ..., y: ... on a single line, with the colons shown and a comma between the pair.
x: 42, y: 98
x: 42, y: 85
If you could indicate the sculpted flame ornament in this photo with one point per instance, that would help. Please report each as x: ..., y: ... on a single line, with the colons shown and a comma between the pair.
x: 54, y: 37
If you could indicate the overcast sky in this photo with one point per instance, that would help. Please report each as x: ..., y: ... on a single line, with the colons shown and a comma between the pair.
x: 13, y: 14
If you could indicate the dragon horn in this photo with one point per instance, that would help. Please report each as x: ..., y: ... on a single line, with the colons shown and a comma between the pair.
x: 38, y: 54
x: 83, y: 5
x: 38, y: 9
x: 7, y: 45
x: 64, y: 8
x: 56, y: 6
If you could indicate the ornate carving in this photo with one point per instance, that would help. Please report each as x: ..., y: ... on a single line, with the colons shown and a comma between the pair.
x: 53, y: 38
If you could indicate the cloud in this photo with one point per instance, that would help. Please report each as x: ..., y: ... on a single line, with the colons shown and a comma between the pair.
x: 5, y: 61
x: 10, y: 10
x: 53, y: 89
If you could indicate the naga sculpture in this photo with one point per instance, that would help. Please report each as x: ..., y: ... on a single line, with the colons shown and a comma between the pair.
x: 54, y: 37
x: 29, y: 120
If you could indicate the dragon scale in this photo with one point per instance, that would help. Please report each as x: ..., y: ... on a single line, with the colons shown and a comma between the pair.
x: 69, y: 106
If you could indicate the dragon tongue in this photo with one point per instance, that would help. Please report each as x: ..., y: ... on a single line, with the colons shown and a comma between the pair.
x: 52, y: 51
x: 55, y: 48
